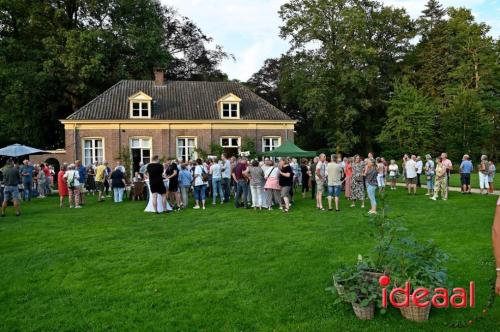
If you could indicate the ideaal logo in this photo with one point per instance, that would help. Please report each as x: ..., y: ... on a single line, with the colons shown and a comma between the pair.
x: 421, y: 296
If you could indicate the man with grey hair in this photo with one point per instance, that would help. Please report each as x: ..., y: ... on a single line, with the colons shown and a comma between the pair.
x: 465, y: 171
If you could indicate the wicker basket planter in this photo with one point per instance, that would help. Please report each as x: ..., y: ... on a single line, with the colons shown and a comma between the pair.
x: 412, y: 312
x: 340, y: 290
x: 364, y: 313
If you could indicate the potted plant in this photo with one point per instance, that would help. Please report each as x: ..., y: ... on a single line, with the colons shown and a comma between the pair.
x: 355, y: 285
x: 420, y: 264
x: 362, y: 293
x: 341, y: 277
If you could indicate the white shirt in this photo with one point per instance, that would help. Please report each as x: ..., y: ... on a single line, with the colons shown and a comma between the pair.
x: 411, y: 169
x: 393, y: 169
x: 322, y: 167
x: 72, y: 176
x: 198, y: 170
x: 420, y: 164
x: 226, y: 173
x: 215, y: 170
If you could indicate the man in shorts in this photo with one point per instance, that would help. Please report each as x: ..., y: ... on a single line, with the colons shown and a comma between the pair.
x: 320, y: 174
x: 11, y: 179
x: 334, y: 171
x: 100, y: 177
x: 411, y: 174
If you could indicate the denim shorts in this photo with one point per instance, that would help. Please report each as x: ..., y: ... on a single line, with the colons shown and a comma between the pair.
x: 10, y: 192
x: 334, y: 191
x: 199, y: 192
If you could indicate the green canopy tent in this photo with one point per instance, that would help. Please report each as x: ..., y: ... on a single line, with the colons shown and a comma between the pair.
x: 288, y: 149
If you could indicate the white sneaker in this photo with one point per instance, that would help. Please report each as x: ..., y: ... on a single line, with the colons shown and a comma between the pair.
x: 203, y: 208
x: 433, y: 198
x: 196, y: 207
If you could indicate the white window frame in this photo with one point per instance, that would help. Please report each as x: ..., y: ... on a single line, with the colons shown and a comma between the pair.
x: 231, y: 146
x: 142, y: 138
x: 186, y: 147
x: 140, y: 102
x: 230, y: 116
x: 93, y: 148
x: 273, y: 147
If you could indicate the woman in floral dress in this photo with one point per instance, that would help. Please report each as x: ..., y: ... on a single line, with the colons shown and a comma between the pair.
x: 357, y: 185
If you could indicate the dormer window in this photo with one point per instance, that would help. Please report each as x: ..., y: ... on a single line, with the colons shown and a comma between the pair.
x: 140, y: 110
x: 140, y: 106
x: 229, y: 110
x: 229, y: 106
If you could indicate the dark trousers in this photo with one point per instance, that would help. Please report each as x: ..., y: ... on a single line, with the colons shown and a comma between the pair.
x: 241, y: 189
x: 313, y: 189
x: 419, y: 185
x: 226, y: 188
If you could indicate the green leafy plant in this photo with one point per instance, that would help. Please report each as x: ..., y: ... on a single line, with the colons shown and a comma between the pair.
x: 202, y: 154
x: 355, y: 284
x: 249, y: 145
x: 423, y: 264
x: 216, y: 149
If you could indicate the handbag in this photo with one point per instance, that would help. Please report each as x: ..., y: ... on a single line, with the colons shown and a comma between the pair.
x: 204, y: 175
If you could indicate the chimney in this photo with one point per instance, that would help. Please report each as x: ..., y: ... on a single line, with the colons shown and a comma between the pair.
x: 159, y: 76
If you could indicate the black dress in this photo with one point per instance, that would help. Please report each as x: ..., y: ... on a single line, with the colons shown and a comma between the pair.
x: 173, y: 183
x: 155, y: 172
x: 305, y: 178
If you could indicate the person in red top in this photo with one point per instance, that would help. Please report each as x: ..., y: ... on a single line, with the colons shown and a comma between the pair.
x: 62, y: 186
x: 48, y: 177
x: 241, y: 182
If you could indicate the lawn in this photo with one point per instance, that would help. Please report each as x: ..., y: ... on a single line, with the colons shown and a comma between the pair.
x: 114, y: 267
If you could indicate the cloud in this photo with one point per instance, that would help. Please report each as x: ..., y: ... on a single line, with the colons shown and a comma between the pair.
x: 249, y: 29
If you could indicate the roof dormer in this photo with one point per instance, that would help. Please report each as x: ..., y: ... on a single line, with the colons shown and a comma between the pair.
x: 229, y: 106
x: 140, y: 106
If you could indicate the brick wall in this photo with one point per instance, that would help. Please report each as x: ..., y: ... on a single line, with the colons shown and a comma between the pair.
x: 163, y: 140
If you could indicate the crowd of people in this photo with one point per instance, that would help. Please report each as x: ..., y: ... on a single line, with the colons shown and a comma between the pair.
x: 265, y: 184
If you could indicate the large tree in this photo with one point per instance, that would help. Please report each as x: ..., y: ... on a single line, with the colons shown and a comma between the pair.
x: 345, y: 55
x: 411, y: 123
x: 55, y: 56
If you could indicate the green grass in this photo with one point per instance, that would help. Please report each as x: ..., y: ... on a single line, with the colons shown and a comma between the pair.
x: 114, y: 267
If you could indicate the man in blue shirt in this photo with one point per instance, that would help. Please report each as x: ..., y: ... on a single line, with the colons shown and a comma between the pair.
x: 82, y: 172
x: 465, y: 170
x: 26, y: 172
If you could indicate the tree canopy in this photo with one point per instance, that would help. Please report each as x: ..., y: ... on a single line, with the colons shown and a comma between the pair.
x: 361, y: 76
x: 55, y: 56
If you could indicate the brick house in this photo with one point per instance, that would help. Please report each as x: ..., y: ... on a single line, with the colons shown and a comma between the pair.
x: 170, y: 119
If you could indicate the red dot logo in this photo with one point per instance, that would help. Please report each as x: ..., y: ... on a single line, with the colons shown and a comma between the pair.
x: 384, y: 281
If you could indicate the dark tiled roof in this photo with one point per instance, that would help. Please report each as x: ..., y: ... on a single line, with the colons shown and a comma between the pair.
x: 177, y: 100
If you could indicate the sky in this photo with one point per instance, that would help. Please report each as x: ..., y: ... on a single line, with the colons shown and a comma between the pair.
x: 249, y: 29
